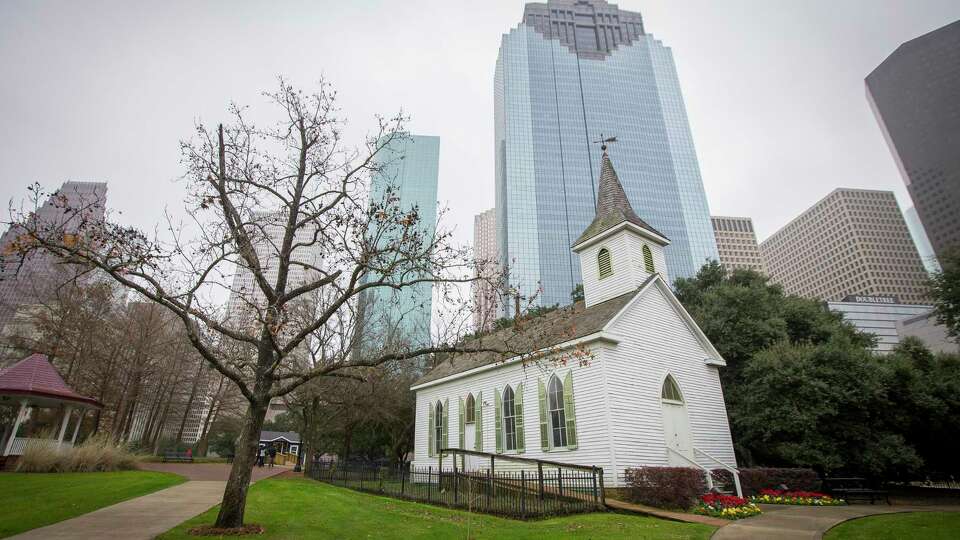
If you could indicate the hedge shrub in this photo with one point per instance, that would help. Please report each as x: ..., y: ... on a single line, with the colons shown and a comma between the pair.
x: 665, y: 487
x: 755, y: 479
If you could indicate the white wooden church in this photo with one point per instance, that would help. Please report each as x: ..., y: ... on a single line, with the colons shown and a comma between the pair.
x: 647, y: 392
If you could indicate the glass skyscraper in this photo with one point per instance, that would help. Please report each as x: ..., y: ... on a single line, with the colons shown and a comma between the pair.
x: 571, y: 71
x: 409, y: 167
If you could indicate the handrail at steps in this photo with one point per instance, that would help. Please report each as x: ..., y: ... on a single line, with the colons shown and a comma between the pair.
x: 733, y: 470
x: 705, y: 470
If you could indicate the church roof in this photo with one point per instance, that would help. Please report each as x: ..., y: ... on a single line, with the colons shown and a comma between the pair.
x: 613, y: 207
x: 36, y: 376
x: 547, y: 330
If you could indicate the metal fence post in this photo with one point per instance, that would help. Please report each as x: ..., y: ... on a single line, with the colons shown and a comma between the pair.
x: 489, y: 488
x: 596, y: 496
x: 523, y: 494
x: 456, y: 481
x: 603, y: 496
x: 403, y: 477
x: 429, y: 481
x: 380, y: 474
x: 560, y: 481
x: 540, y: 479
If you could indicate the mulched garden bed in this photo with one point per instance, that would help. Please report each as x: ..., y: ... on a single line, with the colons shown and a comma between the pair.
x: 210, y: 530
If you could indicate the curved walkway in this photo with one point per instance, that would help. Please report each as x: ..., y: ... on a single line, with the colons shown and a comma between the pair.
x: 807, y: 522
x: 150, y: 515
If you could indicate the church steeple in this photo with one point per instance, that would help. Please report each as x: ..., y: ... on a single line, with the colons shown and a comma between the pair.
x: 619, y: 251
x: 613, y: 207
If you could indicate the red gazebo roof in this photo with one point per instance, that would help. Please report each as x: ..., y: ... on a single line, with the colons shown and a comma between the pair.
x: 36, y: 376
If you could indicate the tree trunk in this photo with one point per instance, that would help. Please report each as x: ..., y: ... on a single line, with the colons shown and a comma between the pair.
x: 235, y: 495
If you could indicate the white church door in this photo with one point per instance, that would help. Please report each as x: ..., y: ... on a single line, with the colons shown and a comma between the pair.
x: 676, y: 424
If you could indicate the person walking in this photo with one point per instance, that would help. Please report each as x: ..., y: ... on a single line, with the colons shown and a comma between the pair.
x: 260, y: 452
x: 273, y: 455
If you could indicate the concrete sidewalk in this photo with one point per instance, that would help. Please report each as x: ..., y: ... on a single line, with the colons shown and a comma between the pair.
x: 807, y: 522
x: 145, y: 517
x: 141, y: 518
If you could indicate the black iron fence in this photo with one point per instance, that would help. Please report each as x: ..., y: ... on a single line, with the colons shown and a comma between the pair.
x: 527, y: 493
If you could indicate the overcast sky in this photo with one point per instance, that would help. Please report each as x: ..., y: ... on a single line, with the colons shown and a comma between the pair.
x: 105, y: 90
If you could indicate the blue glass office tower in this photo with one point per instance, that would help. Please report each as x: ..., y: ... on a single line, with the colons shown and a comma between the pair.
x: 408, y: 166
x: 571, y: 71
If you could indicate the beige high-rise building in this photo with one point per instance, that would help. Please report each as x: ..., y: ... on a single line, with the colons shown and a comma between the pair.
x: 485, y: 251
x: 851, y: 242
x: 737, y: 243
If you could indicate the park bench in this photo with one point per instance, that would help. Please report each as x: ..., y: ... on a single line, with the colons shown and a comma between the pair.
x: 177, y: 457
x: 855, y: 489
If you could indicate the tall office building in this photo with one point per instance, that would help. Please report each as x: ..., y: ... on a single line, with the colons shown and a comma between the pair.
x: 246, y: 298
x: 569, y: 73
x: 485, y: 251
x: 737, y: 243
x: 409, y: 168
x: 915, y: 95
x: 851, y: 242
x: 26, y: 281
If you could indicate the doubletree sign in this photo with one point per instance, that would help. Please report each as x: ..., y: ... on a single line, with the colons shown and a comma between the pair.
x: 872, y: 299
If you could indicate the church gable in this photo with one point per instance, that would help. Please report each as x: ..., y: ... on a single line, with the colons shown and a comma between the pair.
x: 657, y: 315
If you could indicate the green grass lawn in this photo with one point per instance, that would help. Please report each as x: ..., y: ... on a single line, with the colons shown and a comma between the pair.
x: 31, y: 500
x: 301, y: 508
x: 926, y: 525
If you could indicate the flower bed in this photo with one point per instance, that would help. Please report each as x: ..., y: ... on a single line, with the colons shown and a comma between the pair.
x: 802, y: 498
x: 726, y: 507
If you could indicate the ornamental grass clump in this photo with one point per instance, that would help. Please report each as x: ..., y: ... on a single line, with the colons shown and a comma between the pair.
x: 39, y: 457
x: 726, y: 507
x: 799, y: 498
x: 96, y: 454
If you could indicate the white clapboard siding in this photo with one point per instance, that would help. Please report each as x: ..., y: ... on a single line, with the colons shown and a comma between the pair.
x: 658, y: 341
x: 616, y: 395
x: 629, y: 269
x: 589, y: 403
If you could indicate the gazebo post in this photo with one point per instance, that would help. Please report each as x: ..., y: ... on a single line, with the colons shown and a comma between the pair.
x: 63, y: 425
x: 76, y: 430
x: 16, y: 428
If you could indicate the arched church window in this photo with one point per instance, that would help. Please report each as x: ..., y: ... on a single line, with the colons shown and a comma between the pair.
x: 509, y: 419
x: 558, y: 419
x: 469, y: 410
x: 648, y: 259
x: 604, y: 263
x: 670, y: 390
x: 438, y: 428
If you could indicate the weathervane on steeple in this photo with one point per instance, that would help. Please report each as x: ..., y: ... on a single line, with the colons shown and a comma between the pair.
x: 603, y: 141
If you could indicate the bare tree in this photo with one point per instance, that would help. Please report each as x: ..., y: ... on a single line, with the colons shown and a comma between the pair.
x: 298, y: 317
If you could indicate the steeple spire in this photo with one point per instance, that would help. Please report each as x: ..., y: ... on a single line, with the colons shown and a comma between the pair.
x: 613, y: 207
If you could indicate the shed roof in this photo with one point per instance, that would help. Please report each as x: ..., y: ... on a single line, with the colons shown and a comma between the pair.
x: 289, y: 436
x: 36, y: 376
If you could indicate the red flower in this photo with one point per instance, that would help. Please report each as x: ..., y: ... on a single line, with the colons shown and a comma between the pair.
x: 724, y: 501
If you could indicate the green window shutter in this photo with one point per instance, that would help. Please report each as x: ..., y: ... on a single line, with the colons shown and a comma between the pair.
x: 446, y: 422
x: 478, y: 423
x: 430, y: 428
x: 461, y: 424
x: 648, y: 259
x: 518, y: 408
x: 544, y: 428
x: 569, y: 412
x: 498, y: 419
